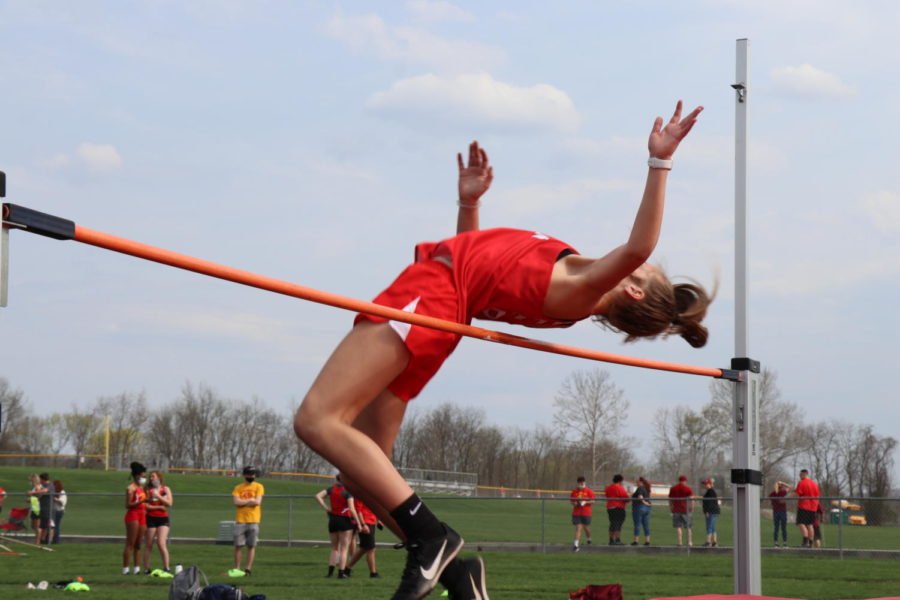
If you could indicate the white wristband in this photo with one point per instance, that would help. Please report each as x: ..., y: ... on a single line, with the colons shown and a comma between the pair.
x: 461, y: 205
x: 659, y: 163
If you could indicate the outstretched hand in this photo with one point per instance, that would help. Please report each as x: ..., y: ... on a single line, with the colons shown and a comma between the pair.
x: 476, y: 178
x: 664, y: 140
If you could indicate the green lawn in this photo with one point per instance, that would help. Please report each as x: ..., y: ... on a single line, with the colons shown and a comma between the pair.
x: 97, y: 497
x: 95, y: 508
x: 290, y: 573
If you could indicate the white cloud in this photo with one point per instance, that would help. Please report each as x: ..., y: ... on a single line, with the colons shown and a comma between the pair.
x: 370, y: 34
x: 807, y: 80
x: 430, y: 10
x: 99, y: 157
x: 477, y: 99
x: 884, y: 208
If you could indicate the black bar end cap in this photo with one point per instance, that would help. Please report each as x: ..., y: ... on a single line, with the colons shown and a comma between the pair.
x: 745, y: 364
x: 746, y: 477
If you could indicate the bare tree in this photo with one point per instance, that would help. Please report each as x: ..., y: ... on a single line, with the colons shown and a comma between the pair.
x: 687, y: 441
x: 33, y: 436
x: 820, y: 443
x: 164, y: 438
x: 780, y: 422
x: 57, y: 428
x: 197, y: 414
x: 127, y: 414
x: 537, y: 450
x: 590, y: 408
x: 15, y: 410
x: 444, y: 438
x: 82, y: 426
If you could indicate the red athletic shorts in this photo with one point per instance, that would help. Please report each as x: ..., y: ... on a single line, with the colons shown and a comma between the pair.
x: 137, y: 515
x: 424, y: 288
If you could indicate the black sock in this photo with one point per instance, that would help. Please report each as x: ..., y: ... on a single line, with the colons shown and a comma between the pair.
x: 454, y: 572
x: 331, y: 569
x: 416, y: 520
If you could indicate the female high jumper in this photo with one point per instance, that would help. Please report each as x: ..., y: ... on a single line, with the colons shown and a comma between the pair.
x: 353, y: 411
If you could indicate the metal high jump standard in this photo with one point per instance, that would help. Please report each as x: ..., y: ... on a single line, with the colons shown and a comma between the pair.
x: 746, y: 478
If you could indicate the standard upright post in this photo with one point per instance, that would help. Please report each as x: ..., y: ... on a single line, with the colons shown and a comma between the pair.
x: 4, y: 250
x: 746, y: 478
x: 741, y: 192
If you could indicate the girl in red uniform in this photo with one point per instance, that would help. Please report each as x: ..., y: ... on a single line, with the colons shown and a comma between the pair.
x: 159, y: 501
x: 353, y: 411
x: 135, y: 517
x: 341, y: 516
x: 366, y: 530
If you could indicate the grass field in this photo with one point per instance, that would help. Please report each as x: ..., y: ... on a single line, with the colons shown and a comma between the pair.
x: 298, y: 572
x: 96, y: 508
x: 291, y: 573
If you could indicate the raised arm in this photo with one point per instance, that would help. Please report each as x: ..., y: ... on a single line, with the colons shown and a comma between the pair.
x: 474, y: 180
x: 609, y: 270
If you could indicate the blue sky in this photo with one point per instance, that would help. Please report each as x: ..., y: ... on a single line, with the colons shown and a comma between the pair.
x: 316, y: 141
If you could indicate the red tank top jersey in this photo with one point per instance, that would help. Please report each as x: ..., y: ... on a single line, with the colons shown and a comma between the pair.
x: 337, y: 497
x: 367, y: 516
x: 500, y: 274
x: 139, y: 512
x: 158, y: 509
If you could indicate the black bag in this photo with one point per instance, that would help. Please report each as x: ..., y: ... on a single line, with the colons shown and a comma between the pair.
x: 222, y: 591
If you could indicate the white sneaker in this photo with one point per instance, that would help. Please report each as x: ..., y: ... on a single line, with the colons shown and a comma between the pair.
x: 137, y: 570
x: 125, y: 571
x: 43, y: 585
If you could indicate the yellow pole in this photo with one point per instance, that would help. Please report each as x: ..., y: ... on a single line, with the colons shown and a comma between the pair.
x: 106, y: 442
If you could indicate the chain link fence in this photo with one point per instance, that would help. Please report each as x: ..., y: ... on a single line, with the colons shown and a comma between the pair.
x: 846, y: 525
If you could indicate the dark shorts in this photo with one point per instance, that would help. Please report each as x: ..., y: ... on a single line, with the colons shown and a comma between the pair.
x: 682, y: 520
x: 616, y: 518
x: 367, y: 540
x: 157, y: 522
x: 338, y: 523
x: 805, y: 517
x: 580, y: 520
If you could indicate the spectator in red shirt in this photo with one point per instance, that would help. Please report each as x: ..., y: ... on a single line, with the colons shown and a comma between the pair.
x: 616, y: 497
x: 582, y: 499
x: 779, y: 510
x: 682, y: 507
x: 808, y: 492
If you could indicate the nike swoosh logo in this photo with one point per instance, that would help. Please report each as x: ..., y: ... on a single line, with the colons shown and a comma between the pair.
x: 431, y: 572
x: 413, y: 511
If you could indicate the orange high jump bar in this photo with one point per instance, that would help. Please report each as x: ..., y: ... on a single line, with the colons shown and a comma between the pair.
x: 19, y: 217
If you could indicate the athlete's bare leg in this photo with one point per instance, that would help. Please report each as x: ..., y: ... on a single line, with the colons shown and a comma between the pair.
x: 380, y: 421
x: 356, y: 374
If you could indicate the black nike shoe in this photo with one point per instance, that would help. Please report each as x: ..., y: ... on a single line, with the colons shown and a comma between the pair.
x: 473, y: 586
x: 425, y: 561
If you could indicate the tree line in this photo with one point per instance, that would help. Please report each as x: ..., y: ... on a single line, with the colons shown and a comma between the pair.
x: 203, y: 429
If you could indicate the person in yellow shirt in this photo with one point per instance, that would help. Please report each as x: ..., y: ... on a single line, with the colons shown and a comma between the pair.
x: 247, y: 498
